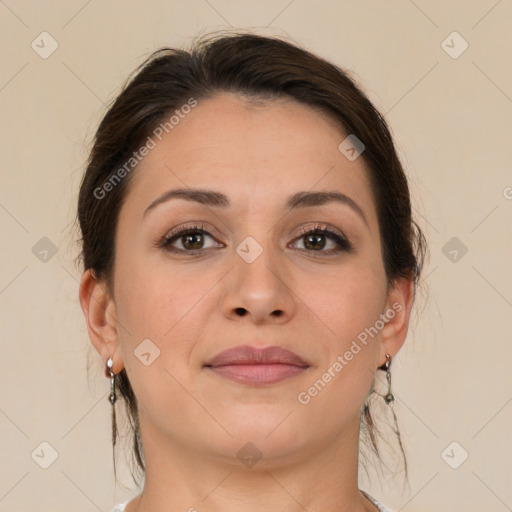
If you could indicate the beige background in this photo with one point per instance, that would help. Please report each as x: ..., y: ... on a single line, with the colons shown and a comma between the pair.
x: 452, y: 121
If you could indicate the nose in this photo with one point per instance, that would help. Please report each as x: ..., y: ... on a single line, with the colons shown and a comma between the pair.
x: 261, y: 291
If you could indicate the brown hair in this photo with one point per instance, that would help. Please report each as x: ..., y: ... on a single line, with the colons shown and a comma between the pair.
x: 256, y: 67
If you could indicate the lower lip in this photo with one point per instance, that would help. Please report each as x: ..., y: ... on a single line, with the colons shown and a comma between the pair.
x: 257, y: 373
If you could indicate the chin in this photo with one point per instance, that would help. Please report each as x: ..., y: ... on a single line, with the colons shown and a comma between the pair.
x: 273, y: 435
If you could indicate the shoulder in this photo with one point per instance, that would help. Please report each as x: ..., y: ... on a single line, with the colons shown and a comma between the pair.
x: 380, y: 506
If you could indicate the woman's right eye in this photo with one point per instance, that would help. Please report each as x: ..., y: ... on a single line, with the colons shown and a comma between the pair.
x: 191, y: 239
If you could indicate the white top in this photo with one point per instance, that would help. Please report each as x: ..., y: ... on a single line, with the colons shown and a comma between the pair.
x: 380, y: 506
x: 120, y: 507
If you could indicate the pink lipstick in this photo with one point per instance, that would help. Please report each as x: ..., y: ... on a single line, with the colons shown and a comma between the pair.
x: 257, y: 366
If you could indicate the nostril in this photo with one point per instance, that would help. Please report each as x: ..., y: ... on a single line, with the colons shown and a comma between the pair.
x: 240, y: 311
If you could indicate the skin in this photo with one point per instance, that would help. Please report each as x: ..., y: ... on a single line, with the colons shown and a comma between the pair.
x: 194, y: 422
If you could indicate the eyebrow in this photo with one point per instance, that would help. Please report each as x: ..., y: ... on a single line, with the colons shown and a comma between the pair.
x: 217, y: 199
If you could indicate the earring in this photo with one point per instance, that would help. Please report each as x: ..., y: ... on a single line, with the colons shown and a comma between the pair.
x: 112, y: 398
x: 389, y: 396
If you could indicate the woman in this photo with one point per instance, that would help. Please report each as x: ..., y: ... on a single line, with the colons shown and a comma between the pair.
x: 250, y: 262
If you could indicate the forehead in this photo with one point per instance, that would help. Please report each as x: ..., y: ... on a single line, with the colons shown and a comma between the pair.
x: 256, y: 153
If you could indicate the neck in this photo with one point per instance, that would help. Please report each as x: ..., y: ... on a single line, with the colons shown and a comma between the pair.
x: 320, y: 476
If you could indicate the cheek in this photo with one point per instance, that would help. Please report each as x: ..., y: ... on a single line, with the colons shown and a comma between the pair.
x: 153, y: 298
x: 349, y: 303
x: 348, y: 299
x: 160, y: 313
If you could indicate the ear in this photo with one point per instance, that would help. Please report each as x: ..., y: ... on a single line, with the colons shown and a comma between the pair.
x: 397, y: 311
x: 100, y: 315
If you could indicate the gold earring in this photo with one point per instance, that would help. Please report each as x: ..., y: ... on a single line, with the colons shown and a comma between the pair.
x: 388, y: 397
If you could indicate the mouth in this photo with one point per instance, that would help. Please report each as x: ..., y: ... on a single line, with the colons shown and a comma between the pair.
x: 254, y: 366
x: 257, y: 373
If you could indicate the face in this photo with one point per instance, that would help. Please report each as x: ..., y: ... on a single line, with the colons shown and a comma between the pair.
x: 248, y: 273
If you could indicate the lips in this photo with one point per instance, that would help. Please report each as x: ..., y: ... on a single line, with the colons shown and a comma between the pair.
x: 253, y: 366
x: 245, y: 354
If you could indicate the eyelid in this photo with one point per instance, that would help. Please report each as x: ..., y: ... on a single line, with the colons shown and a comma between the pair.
x: 320, y: 226
x: 192, y: 226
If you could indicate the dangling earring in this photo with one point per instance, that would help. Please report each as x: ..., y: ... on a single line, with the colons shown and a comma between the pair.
x: 112, y: 398
x: 388, y: 397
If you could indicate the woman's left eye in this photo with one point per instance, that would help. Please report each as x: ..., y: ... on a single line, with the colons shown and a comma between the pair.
x: 315, y: 239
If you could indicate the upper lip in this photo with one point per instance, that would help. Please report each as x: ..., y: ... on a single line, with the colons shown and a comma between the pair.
x: 245, y: 354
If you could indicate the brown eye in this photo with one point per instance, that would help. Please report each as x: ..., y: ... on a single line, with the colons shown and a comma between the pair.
x: 314, y: 241
x: 191, y: 239
x: 317, y: 239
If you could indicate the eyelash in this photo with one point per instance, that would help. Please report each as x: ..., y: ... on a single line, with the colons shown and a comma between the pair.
x: 341, y: 241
